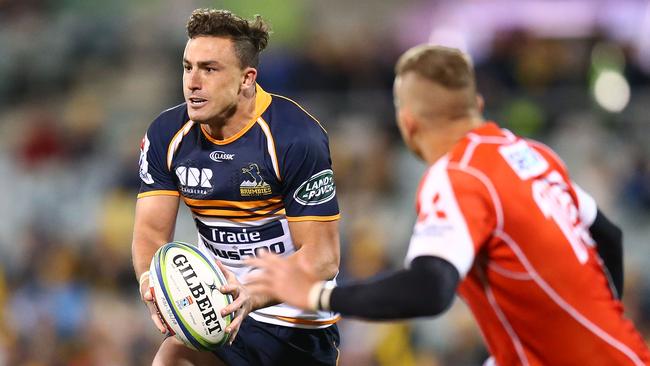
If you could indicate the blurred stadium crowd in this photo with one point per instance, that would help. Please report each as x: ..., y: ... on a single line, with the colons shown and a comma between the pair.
x: 82, y: 80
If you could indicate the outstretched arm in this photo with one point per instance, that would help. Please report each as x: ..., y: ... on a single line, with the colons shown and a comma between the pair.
x: 609, y: 243
x: 426, y: 288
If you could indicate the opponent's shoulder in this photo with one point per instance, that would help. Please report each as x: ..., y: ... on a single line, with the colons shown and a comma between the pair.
x: 291, y: 123
x: 168, y: 122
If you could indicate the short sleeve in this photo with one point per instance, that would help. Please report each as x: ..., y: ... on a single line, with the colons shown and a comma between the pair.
x: 586, y: 206
x: 455, y: 218
x: 309, y: 189
x: 155, y: 176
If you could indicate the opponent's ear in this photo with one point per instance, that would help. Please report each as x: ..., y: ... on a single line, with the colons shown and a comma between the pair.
x: 410, y: 123
x: 480, y: 103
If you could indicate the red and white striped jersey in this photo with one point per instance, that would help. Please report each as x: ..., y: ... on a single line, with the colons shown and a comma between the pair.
x: 505, y: 213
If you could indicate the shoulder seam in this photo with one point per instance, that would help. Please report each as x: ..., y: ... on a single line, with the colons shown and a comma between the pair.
x: 301, y: 108
x: 487, y: 183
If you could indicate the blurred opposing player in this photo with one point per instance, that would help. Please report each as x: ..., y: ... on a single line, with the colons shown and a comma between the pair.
x: 499, y: 222
x: 254, y: 169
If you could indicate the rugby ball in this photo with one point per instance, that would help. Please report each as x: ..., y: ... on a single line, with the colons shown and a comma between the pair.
x: 185, y: 282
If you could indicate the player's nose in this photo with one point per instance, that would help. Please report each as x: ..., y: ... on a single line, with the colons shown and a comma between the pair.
x: 193, y: 81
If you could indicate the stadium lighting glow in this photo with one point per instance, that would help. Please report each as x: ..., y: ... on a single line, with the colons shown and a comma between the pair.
x: 612, y: 91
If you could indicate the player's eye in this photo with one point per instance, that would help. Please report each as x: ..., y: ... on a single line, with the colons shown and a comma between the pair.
x: 187, y: 68
x: 211, y: 69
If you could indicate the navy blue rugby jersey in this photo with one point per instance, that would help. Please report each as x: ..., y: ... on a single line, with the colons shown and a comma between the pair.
x: 243, y: 190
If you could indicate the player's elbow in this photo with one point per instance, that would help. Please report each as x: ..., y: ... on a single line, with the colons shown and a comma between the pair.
x: 438, y: 282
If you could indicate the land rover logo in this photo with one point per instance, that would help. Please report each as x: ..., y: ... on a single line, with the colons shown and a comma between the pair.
x: 220, y: 156
x: 318, y: 189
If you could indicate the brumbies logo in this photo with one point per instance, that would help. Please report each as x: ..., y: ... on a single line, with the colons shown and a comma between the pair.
x: 256, y: 186
x: 318, y: 189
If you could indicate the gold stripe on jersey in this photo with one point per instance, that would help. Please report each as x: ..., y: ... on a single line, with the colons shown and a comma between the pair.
x: 272, y: 215
x: 226, y: 213
x: 313, y: 218
x: 262, y: 102
x: 302, y: 321
x: 176, y: 141
x: 233, y: 205
x: 159, y: 193
x: 303, y: 109
x: 270, y: 145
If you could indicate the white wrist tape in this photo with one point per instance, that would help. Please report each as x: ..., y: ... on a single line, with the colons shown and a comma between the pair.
x: 143, y: 276
x: 313, y: 296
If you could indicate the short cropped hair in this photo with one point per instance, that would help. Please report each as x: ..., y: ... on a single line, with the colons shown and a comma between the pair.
x: 250, y: 37
x: 448, y: 67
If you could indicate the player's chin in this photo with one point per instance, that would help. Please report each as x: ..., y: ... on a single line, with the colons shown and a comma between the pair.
x: 197, y: 116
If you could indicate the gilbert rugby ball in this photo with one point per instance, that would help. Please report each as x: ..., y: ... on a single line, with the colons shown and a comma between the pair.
x: 185, y: 282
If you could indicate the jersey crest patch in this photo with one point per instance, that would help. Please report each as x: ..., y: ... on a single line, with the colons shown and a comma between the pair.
x: 524, y: 160
x: 144, y: 164
x: 319, y: 188
x: 253, y: 184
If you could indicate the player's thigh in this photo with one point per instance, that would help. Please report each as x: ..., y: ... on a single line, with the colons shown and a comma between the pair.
x: 173, y: 353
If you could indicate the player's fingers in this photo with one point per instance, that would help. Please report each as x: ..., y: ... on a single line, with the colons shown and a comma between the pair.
x: 233, y: 328
x: 230, y: 277
x: 158, y: 323
x: 233, y: 306
x: 155, y: 316
x: 234, y: 290
x: 147, y: 295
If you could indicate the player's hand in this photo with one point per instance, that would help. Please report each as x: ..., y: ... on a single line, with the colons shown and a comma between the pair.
x: 146, y: 294
x: 240, y: 307
x: 280, y: 279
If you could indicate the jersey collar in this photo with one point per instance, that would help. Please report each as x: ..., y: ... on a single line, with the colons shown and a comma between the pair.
x: 262, y: 102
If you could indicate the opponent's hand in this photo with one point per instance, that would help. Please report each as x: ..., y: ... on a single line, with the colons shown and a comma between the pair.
x: 241, y: 306
x: 281, y: 279
x: 146, y: 294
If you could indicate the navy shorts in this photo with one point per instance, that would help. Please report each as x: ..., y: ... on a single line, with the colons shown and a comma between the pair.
x: 263, y: 344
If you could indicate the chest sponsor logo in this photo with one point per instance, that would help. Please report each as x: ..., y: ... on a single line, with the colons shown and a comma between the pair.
x: 319, y: 188
x: 253, y: 184
x: 194, y: 180
x: 220, y: 156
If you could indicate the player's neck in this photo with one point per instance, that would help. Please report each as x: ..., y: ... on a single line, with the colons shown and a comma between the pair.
x: 439, y: 141
x: 233, y: 121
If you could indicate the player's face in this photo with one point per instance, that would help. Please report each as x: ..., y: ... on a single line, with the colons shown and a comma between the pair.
x: 212, y: 78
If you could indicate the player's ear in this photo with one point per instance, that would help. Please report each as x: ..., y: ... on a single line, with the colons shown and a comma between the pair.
x: 248, y: 77
x: 409, y: 122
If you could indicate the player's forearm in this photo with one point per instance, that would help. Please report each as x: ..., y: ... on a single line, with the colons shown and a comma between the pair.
x: 426, y: 289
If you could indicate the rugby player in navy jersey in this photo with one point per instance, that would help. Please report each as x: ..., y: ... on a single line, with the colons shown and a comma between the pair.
x: 254, y: 169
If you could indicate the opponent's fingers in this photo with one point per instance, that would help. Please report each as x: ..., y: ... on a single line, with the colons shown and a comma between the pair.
x: 264, y: 261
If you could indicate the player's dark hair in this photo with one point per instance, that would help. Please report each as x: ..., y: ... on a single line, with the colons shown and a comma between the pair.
x: 250, y: 37
x: 448, y: 67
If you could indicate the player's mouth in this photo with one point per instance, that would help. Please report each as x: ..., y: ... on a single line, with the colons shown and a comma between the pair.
x: 197, y: 102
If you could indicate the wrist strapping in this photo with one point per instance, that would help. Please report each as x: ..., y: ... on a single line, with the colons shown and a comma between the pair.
x: 319, y: 295
x: 143, y: 276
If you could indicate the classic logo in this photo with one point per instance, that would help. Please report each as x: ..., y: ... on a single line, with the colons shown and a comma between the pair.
x: 256, y: 186
x: 194, y: 180
x: 220, y: 156
x: 318, y: 189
